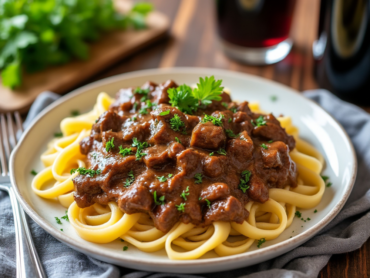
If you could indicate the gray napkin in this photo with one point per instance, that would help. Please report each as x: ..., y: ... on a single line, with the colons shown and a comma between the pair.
x: 347, y: 232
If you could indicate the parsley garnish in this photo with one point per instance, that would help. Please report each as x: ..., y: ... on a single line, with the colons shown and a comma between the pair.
x: 233, y: 109
x: 160, y: 200
x: 182, y: 98
x: 230, y: 120
x: 61, y: 230
x: 260, y: 242
x: 170, y: 175
x: 65, y: 217
x: 143, y: 111
x: 298, y: 214
x: 185, y: 193
x: 224, y: 104
x: 211, y: 154
x: 208, y: 203
x: 187, y: 100
x: 178, y: 140
x: 122, y: 240
x: 244, y: 180
x: 109, y: 145
x: 181, y: 207
x: 198, y: 178
x: 75, y: 113
x: 130, y: 179
x: 133, y: 119
x: 214, y: 120
x: 176, y: 123
x: 264, y: 146
x: 125, y: 151
x: 260, y: 121
x: 164, y: 113
x: 326, y: 179
x: 135, y: 106
x: 230, y: 133
x: 84, y: 171
x: 162, y: 179
x: 208, y: 89
x: 58, y: 134
x: 33, y: 172
x: 315, y: 211
x: 271, y: 141
x: 273, y: 98
x: 222, y: 151
x: 58, y: 220
x: 125, y: 248
x: 141, y: 91
x: 139, y: 147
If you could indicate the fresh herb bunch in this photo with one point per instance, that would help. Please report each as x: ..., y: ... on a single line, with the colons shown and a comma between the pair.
x: 188, y: 100
x: 40, y: 33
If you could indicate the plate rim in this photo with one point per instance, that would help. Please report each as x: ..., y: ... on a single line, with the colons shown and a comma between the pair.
x: 294, y: 241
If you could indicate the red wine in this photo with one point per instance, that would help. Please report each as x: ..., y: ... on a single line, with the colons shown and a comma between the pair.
x: 254, y: 23
x: 342, y: 51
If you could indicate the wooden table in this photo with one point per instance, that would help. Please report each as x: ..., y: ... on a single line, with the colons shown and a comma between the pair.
x: 193, y: 43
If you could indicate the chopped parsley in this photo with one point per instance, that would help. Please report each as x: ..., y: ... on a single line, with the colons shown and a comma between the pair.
x: 141, y: 91
x: 65, y: 217
x: 58, y: 134
x: 143, y: 99
x: 315, y: 211
x: 61, y: 230
x: 130, y: 179
x: 160, y: 200
x: 170, y: 176
x: 75, y: 113
x: 230, y: 120
x: 84, y: 171
x: 208, y: 203
x: 139, y: 147
x: 211, y: 154
x: 124, y: 151
x: 326, y: 179
x: 162, y: 179
x: 125, y: 248
x: 264, y: 146
x: 246, y: 174
x: 164, y: 113
x: 135, y: 106
x: 198, y: 178
x: 308, y: 219
x: 178, y: 140
x: 33, y: 172
x: 260, y: 121
x: 260, y: 242
x: 230, y: 133
x: 122, y: 240
x: 133, y: 119
x: 233, y: 109
x: 222, y: 151
x: 109, y: 145
x: 273, y: 98
x: 58, y: 220
x: 181, y: 207
x: 224, y: 104
x: 185, y: 193
x: 143, y: 111
x: 298, y: 214
x: 271, y: 141
x: 213, y: 120
x: 182, y: 98
x: 176, y: 123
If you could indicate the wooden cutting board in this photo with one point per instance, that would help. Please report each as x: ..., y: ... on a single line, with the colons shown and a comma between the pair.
x: 108, y: 50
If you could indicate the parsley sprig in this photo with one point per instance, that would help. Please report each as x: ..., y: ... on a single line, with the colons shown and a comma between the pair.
x: 130, y: 179
x: 124, y: 151
x: 230, y: 133
x: 176, y: 123
x: 244, y: 180
x: 260, y: 121
x: 198, y: 178
x: 185, y: 193
x: 181, y: 207
x: 260, y: 242
x: 187, y: 100
x: 160, y: 200
x: 326, y: 179
x: 84, y: 171
x: 109, y: 145
x: 139, y: 148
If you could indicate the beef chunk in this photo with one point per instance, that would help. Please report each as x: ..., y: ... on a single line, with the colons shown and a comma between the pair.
x: 213, y: 166
x: 161, y: 95
x: 208, y: 136
x: 215, y: 191
x: 165, y: 216
x: 258, y: 191
x: 136, y: 198
x: 189, y: 161
x: 174, y: 149
x: 226, y: 210
x: 156, y: 156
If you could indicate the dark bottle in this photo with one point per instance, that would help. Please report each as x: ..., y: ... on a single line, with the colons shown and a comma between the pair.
x: 342, y: 51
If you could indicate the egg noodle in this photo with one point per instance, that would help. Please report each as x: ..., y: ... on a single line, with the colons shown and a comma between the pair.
x: 103, y: 224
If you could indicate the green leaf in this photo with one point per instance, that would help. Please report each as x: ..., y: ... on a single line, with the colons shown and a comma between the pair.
x: 11, y: 75
x: 208, y: 89
x: 181, y: 97
x: 143, y: 8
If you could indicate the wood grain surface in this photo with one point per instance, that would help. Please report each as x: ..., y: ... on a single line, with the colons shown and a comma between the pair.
x: 193, y: 43
x: 112, y: 47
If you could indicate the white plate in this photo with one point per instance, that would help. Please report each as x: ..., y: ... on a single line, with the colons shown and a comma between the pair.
x: 315, y: 125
